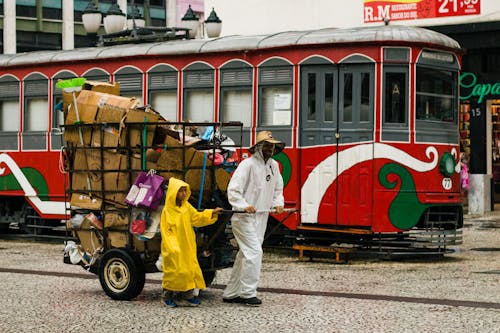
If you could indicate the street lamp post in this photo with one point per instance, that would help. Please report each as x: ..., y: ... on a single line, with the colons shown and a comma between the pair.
x: 91, y: 18
x: 119, y: 30
x: 190, y: 21
x: 136, y: 20
x: 213, y: 25
x: 114, y: 21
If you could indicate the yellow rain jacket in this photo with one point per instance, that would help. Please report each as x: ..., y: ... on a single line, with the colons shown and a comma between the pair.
x: 181, y: 270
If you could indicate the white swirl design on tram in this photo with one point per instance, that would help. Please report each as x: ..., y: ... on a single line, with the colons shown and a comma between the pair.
x: 457, y: 158
x: 325, y: 173
x: 44, y: 207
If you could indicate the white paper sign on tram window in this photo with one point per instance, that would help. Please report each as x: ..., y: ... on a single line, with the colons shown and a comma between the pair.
x: 282, y: 117
x: 282, y: 101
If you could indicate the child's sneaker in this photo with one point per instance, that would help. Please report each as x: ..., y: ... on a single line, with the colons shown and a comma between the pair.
x: 193, y: 301
x: 170, y: 304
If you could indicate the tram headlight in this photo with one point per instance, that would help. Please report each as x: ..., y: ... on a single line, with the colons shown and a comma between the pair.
x: 447, y: 164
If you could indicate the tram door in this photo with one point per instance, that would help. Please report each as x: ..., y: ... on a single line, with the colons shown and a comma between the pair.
x: 336, y: 109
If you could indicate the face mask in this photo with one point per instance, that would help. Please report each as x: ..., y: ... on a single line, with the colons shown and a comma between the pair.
x: 267, y: 150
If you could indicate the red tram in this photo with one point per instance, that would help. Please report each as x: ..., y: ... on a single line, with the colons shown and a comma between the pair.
x: 369, y: 116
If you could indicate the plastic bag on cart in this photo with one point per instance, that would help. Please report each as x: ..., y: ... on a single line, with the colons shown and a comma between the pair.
x: 75, y: 254
x: 138, y: 226
x: 159, y: 263
x: 147, y: 190
x: 145, y: 224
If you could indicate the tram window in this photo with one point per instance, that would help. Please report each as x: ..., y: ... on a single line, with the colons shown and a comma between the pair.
x: 8, y: 121
x: 311, y: 96
x: 162, y: 85
x: 276, y: 106
x: 36, y: 110
x: 328, y: 97
x: 57, y: 112
x: 436, y: 94
x: 395, y: 98
x: 199, y: 105
x: 364, y: 112
x: 165, y: 102
x: 347, y: 116
x: 36, y: 117
x: 237, y: 105
x: 130, y: 83
x: 9, y: 104
x: 198, y: 93
x: 58, y: 118
x: 275, y: 93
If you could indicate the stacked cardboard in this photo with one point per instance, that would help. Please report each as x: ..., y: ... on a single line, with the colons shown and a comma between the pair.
x: 97, y: 128
x: 113, y: 144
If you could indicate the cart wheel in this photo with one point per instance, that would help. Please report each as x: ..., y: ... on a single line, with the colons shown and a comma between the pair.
x: 121, y: 274
x: 208, y: 276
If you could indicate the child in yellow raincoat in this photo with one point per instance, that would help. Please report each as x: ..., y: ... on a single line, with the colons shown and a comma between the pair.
x: 181, y: 270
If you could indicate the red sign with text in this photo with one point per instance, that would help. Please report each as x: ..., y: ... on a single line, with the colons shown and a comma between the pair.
x: 378, y: 10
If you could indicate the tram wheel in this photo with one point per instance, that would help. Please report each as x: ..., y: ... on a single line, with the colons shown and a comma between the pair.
x: 29, y: 220
x: 121, y: 274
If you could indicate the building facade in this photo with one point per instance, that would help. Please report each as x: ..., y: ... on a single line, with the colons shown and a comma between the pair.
x: 29, y: 25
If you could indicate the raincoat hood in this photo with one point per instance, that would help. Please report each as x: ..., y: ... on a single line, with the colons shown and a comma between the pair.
x: 174, y: 185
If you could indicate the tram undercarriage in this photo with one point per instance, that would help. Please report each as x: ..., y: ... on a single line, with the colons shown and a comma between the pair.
x: 439, y: 228
x: 17, y: 216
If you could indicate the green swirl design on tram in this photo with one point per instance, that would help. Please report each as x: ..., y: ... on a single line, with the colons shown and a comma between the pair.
x: 286, y: 167
x: 10, y: 183
x: 405, y: 210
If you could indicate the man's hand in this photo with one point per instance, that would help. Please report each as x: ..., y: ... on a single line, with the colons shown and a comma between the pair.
x: 250, y: 209
x: 279, y: 209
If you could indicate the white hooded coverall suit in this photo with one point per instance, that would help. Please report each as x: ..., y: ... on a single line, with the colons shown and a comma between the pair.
x: 259, y: 184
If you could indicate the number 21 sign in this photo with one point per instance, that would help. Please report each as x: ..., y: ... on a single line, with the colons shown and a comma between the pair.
x: 378, y: 10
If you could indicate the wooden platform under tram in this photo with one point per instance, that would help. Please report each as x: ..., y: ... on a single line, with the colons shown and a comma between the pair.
x: 341, y: 253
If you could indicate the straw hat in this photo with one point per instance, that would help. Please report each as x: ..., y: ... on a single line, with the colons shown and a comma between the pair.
x: 267, y: 136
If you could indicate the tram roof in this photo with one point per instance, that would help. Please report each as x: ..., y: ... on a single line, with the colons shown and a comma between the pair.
x: 378, y: 34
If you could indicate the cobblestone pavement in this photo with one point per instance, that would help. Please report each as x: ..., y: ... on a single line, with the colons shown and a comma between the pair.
x: 319, y: 296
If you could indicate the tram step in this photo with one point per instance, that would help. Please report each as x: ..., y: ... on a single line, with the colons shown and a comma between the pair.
x: 14, y: 225
x: 326, y: 249
x: 316, y: 228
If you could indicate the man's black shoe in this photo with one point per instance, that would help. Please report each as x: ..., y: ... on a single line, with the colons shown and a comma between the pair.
x: 251, y: 301
x: 232, y: 300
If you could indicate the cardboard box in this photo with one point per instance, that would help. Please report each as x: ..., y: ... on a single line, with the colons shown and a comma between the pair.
x: 84, y: 201
x: 88, y: 237
x: 87, y: 103
x: 195, y: 172
x: 112, y: 88
x: 112, y: 110
x: 117, y: 239
x: 103, y: 87
x: 91, y: 173
x: 171, y: 158
x: 101, y: 108
x: 135, y: 132
x: 117, y: 219
x: 106, y: 136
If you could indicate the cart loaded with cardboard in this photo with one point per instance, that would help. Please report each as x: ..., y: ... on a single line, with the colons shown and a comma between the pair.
x: 119, y: 156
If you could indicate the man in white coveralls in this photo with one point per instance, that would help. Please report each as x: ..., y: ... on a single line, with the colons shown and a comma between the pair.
x: 256, y: 187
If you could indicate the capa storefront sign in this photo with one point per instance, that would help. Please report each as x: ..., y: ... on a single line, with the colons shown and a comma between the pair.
x: 471, y: 88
